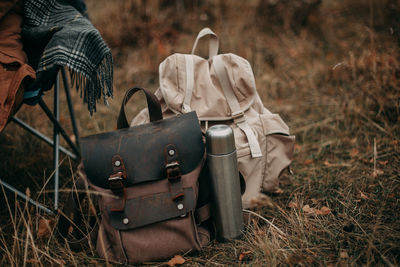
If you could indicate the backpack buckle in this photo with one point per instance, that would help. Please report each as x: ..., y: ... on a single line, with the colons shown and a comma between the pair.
x: 238, y: 116
x: 173, y: 170
x: 116, y: 183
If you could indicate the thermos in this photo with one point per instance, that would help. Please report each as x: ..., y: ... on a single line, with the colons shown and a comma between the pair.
x: 224, y: 176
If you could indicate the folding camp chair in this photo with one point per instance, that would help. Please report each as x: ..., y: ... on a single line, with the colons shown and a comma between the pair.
x: 55, y: 143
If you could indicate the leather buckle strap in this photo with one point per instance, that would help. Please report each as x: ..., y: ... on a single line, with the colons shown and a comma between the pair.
x: 116, y: 183
x: 173, y: 171
x: 117, y: 180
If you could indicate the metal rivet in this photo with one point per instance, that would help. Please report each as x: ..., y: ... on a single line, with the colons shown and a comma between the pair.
x: 180, y: 206
x: 171, y: 152
x: 117, y: 163
x: 125, y: 220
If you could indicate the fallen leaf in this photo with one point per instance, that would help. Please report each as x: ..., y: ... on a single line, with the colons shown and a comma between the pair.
x: 329, y: 56
x: 176, y: 260
x: 353, y: 140
x: 323, y: 211
x: 383, y: 162
x: 327, y: 163
x: 307, y: 209
x: 297, y: 147
x: 293, y: 205
x: 308, y: 161
x: 354, y: 152
x: 344, y: 255
x: 377, y: 173
x: 32, y: 261
x: 363, y: 196
x: 278, y: 191
x: 244, y: 254
x: 45, y: 228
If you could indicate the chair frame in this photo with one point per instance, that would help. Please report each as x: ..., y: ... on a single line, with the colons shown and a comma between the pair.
x: 55, y: 143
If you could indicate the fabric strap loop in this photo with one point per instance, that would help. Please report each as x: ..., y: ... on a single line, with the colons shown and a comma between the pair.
x: 213, y: 43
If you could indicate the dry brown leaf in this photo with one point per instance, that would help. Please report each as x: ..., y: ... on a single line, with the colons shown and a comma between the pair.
x: 293, y: 205
x: 363, y: 196
x: 383, y: 162
x: 354, y: 152
x: 377, y: 173
x: 308, y: 161
x: 344, y: 255
x: 45, y: 228
x: 176, y: 260
x: 323, y: 211
x: 307, y: 209
x: 297, y: 147
x: 278, y: 191
x: 327, y: 163
x: 244, y: 254
x: 32, y: 261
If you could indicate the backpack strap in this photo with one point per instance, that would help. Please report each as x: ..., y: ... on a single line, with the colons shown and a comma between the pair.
x: 213, y: 51
x: 189, y: 83
x: 153, y: 106
x: 237, y: 113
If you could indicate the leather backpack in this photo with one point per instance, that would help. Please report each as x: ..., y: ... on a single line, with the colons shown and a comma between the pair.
x: 222, y: 89
x: 147, y: 182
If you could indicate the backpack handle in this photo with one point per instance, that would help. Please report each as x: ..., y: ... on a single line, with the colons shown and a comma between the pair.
x: 152, y: 104
x: 213, y: 43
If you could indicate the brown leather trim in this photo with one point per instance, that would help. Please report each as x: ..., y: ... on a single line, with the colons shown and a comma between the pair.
x: 150, y: 209
x: 173, y: 171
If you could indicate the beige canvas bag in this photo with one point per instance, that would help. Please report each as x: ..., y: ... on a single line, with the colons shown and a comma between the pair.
x: 221, y: 89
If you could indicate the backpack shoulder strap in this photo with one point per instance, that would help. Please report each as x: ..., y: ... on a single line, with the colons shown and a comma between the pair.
x: 236, y: 111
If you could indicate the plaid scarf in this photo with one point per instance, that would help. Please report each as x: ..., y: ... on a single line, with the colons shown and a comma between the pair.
x: 58, y: 33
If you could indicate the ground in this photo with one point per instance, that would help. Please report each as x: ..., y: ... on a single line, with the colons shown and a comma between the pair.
x: 331, y: 70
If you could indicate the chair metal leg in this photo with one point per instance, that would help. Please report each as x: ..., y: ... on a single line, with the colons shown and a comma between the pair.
x: 28, y: 199
x: 57, y: 130
x: 61, y: 130
x: 41, y: 136
x: 70, y: 107
x: 56, y: 141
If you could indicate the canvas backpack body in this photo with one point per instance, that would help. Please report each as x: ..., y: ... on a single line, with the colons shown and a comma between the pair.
x: 221, y: 89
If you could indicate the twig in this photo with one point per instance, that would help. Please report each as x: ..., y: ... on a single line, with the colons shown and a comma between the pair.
x: 264, y: 219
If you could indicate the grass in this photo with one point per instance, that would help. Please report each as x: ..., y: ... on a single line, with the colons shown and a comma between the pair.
x: 334, y: 80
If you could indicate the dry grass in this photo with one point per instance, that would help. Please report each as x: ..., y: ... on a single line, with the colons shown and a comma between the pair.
x: 335, y: 81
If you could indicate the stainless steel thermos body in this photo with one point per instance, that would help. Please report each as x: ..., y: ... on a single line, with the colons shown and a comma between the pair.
x: 224, y: 176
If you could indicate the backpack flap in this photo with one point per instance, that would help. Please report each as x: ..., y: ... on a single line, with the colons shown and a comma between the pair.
x: 139, y: 154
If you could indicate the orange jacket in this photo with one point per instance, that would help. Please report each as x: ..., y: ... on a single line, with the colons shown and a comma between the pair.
x: 14, y: 70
